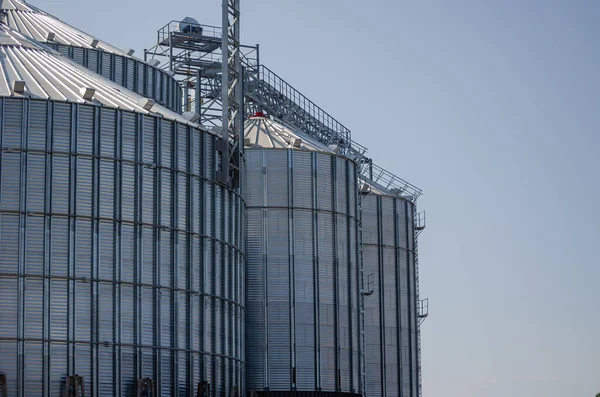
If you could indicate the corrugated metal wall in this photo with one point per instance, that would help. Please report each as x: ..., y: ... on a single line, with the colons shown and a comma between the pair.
x: 121, y: 257
x: 133, y: 74
x: 302, y: 272
x: 390, y: 313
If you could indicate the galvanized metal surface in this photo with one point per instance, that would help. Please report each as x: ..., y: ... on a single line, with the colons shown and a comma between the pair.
x: 47, y: 75
x: 121, y: 256
x: 390, y: 312
x: 94, y: 54
x: 37, y: 23
x: 303, y: 290
x: 266, y: 133
x: 305, y: 394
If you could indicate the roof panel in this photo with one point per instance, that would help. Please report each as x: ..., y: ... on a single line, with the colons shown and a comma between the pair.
x: 49, y: 75
x: 265, y: 133
x: 37, y: 24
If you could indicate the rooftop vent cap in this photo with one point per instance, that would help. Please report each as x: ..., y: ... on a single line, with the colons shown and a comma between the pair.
x: 365, y: 188
x: 190, y: 25
x: 87, y: 93
x: 95, y: 43
x: 146, y: 103
x: 334, y: 148
x: 191, y: 116
x: 170, y: 73
x: 130, y: 51
x: 297, y: 142
x: 154, y: 62
x: 247, y: 142
x: 51, y: 36
x: 19, y: 86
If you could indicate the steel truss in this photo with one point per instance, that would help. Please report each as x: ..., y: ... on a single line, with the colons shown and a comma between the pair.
x: 194, y: 53
x: 232, y: 95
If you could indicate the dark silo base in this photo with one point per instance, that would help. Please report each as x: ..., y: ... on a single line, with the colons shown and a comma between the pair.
x: 275, y: 393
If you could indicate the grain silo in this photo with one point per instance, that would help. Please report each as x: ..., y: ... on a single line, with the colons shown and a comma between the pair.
x: 391, y: 318
x: 111, y: 62
x: 121, y: 256
x: 303, y: 273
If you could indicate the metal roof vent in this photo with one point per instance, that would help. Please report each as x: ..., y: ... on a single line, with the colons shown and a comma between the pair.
x: 297, y: 142
x: 154, y: 62
x: 19, y: 86
x: 51, y: 36
x: 146, y: 103
x: 87, y: 93
x: 365, y: 189
x: 94, y: 43
x: 191, y: 116
x: 130, y: 51
x: 334, y: 148
x: 190, y: 25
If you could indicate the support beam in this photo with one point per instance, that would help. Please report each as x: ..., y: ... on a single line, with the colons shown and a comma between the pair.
x: 231, y: 94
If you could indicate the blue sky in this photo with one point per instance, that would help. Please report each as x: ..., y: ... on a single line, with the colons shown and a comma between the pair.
x: 493, y: 108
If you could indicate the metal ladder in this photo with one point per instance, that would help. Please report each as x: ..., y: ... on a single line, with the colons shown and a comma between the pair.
x: 419, y: 375
x: 363, y: 295
x: 419, y: 226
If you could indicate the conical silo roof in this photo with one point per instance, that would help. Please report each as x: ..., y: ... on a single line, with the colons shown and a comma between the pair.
x: 46, y: 28
x: 263, y: 132
x: 29, y: 69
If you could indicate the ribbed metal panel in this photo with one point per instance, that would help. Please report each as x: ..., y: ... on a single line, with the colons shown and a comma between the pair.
x: 118, y: 72
x: 390, y: 313
x: 102, y: 271
x: 302, y: 273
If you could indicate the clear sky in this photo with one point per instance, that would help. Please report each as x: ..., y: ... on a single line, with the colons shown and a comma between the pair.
x: 493, y: 108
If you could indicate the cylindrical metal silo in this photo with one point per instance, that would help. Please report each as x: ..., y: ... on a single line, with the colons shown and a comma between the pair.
x: 96, y: 55
x: 391, y: 311
x: 303, y: 273
x: 120, y: 255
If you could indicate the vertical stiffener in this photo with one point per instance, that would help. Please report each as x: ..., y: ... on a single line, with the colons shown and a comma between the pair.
x: 303, y: 289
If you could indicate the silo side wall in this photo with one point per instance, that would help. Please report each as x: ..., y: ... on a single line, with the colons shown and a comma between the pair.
x: 302, y: 272
x: 130, y: 73
x: 120, y: 256
x: 390, y: 313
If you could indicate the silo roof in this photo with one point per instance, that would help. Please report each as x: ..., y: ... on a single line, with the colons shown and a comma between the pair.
x: 45, y: 74
x: 38, y: 24
x: 262, y: 132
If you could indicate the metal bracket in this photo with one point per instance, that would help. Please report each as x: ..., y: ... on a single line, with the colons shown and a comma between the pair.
x: 146, y: 388
x: 420, y: 222
x: 3, y: 385
x: 423, y: 309
x: 203, y: 389
x: 76, y: 382
x: 368, y: 291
